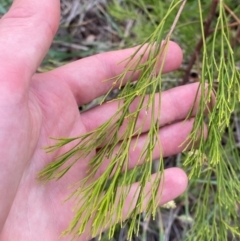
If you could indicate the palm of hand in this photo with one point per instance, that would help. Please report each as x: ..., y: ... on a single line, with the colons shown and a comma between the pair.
x: 50, y: 110
x: 34, y: 107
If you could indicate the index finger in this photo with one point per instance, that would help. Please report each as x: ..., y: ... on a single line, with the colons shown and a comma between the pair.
x: 86, y: 77
x: 26, y: 33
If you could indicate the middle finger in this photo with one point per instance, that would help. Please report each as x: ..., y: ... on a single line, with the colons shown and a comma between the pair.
x: 175, y: 106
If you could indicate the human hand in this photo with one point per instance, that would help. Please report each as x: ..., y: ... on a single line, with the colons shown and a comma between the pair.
x: 34, y: 107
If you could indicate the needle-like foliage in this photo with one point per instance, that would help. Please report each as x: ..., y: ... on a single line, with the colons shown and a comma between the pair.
x: 102, y: 198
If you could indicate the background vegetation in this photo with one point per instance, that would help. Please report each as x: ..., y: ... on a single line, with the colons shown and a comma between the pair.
x: 90, y: 27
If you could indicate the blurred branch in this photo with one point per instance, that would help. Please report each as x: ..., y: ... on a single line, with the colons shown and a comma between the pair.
x: 200, y: 43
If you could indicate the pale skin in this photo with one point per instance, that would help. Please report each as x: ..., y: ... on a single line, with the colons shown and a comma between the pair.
x: 34, y: 107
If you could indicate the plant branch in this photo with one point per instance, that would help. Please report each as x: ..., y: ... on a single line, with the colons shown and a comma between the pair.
x: 231, y: 13
x: 200, y: 43
x: 176, y: 19
x: 230, y: 25
x: 237, y: 36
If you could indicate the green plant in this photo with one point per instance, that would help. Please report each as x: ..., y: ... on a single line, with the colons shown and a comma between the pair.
x: 215, y: 215
x: 4, y: 6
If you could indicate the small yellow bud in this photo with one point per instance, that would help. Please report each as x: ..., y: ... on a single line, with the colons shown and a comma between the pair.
x: 169, y: 205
